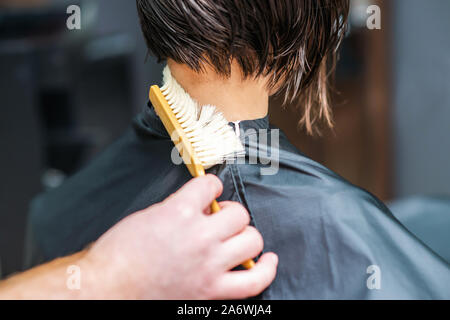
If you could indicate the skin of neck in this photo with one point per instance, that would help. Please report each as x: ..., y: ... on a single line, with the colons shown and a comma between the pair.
x: 237, y: 98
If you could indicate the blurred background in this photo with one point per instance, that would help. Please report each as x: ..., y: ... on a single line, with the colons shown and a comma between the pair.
x: 67, y: 94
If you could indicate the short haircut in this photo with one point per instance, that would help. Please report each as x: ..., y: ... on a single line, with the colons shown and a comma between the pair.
x: 293, y: 42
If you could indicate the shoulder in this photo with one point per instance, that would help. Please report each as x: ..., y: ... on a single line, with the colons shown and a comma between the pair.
x: 306, y: 199
x: 284, y: 173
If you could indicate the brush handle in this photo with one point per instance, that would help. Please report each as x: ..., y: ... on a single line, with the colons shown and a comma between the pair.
x: 216, y: 208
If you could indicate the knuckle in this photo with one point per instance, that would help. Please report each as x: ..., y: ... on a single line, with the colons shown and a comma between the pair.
x: 202, y: 289
x: 212, y: 184
x: 201, y: 247
x: 206, y: 293
x: 245, y: 216
x: 256, y: 236
x: 252, y: 287
x: 184, y: 210
x: 206, y: 237
x: 255, y: 239
x: 241, y: 213
x: 207, y: 286
x: 210, y: 290
x: 205, y: 240
x: 206, y: 185
x: 259, y: 240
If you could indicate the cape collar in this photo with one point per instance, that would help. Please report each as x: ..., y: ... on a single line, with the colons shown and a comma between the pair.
x: 148, y: 121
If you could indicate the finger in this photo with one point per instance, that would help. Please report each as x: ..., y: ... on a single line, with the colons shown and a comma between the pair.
x: 224, y: 204
x: 242, y: 247
x: 248, y: 283
x: 221, y: 205
x: 232, y: 219
x: 198, y: 193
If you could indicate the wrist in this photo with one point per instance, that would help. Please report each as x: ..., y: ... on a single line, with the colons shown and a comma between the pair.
x: 80, y: 277
x: 104, y: 277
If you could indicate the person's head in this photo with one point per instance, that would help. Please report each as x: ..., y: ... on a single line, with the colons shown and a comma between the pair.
x: 291, y: 42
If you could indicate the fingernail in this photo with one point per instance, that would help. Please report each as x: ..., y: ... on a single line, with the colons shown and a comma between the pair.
x: 274, y: 258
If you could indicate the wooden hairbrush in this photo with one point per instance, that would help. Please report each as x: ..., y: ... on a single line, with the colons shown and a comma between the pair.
x: 202, y: 136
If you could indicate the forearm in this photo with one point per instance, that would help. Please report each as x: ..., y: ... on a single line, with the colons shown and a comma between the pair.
x: 50, y: 281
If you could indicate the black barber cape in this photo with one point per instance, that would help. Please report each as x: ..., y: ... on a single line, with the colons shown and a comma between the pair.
x: 334, y: 240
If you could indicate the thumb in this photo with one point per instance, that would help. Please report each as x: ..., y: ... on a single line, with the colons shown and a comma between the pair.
x: 198, y: 193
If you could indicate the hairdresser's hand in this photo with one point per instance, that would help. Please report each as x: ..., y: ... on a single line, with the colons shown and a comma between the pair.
x: 174, y: 250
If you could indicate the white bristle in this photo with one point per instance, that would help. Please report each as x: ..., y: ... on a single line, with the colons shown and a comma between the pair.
x: 213, y: 139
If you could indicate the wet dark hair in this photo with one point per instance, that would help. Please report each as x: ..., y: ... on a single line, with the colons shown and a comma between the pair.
x: 293, y: 42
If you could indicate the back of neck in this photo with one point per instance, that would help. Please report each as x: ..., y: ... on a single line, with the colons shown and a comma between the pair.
x: 237, y: 98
